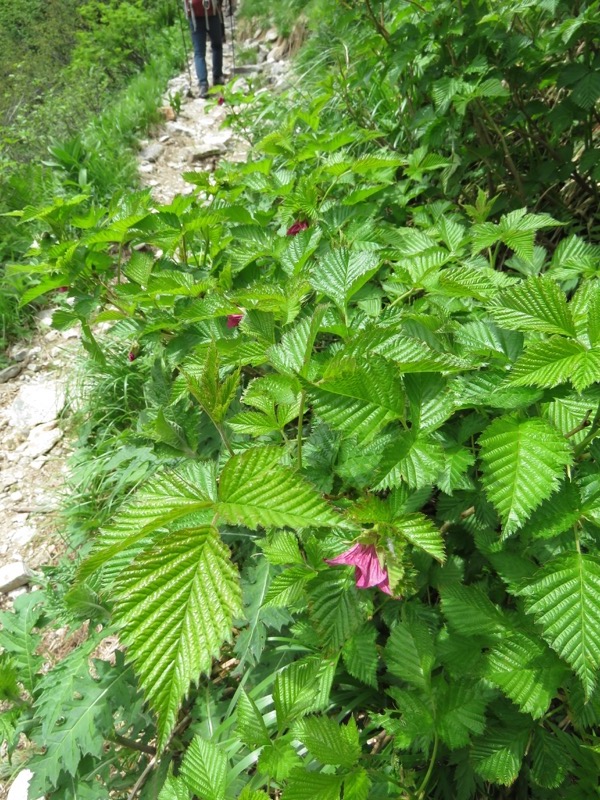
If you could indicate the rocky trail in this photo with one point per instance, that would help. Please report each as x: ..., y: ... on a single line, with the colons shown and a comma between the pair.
x: 39, y: 388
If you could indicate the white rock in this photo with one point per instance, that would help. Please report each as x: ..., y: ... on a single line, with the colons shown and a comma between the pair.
x: 24, y: 535
x: 272, y: 35
x: 15, y: 497
x: 36, y: 403
x: 19, y: 789
x: 13, y: 575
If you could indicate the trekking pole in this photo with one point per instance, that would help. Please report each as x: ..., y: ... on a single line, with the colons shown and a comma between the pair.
x: 185, y: 41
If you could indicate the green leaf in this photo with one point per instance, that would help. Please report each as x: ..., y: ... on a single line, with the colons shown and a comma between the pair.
x: 289, y: 586
x: 470, y: 612
x: 460, y: 712
x: 498, y: 754
x: 277, y: 759
x: 409, y: 653
x: 256, y: 492
x: 564, y: 598
x: 360, y: 655
x: 176, y: 606
x: 536, y: 304
x: 357, y: 785
x: 328, y: 741
x: 292, y: 354
x: 204, y: 769
x: 335, y: 609
x: 416, y: 460
x: 550, y: 759
x: 523, y: 668
x: 168, y: 496
x: 17, y: 637
x: 250, y: 724
x: 295, y: 690
x: 341, y: 273
x: 174, y: 789
x: 523, y: 462
x: 421, y: 532
x: 359, y: 399
x: 305, y: 785
x: 556, y: 361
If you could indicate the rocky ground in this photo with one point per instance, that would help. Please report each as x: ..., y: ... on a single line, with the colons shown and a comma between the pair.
x: 38, y: 390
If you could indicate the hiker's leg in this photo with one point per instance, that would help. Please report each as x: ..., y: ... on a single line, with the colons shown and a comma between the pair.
x: 198, y: 32
x: 216, y: 41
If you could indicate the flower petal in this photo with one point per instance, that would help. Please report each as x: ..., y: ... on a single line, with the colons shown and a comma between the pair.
x: 347, y: 557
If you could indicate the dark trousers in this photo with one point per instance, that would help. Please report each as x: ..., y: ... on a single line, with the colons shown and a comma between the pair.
x: 207, y: 27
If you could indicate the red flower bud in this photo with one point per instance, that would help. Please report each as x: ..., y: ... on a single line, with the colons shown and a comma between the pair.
x: 221, y: 100
x: 63, y: 289
x: 131, y: 355
x: 233, y: 320
x: 297, y: 227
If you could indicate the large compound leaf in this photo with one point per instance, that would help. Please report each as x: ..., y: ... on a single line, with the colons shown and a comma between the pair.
x: 176, y: 606
x: 523, y: 462
x: 564, y: 597
x: 537, y: 304
x: 256, y: 491
x: 341, y: 273
x: 360, y: 398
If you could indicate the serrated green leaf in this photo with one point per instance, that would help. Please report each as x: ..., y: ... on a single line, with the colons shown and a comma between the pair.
x: 328, y: 741
x: 304, y: 785
x: 176, y: 606
x: 523, y: 462
x: 498, y: 754
x: 295, y: 690
x: 536, y: 304
x: 421, y: 532
x: 470, y: 612
x: 564, y: 598
x: 289, y: 586
x: 174, y: 789
x: 550, y: 758
x: 278, y: 759
x: 335, y: 608
x: 557, y: 361
x: 555, y: 515
x: 250, y: 724
x: 256, y: 492
x: 526, y: 671
x: 341, y: 273
x: 359, y: 399
x: 416, y: 460
x: 292, y: 354
x: 360, y: 655
x: 409, y: 653
x: 460, y: 712
x: 204, y: 769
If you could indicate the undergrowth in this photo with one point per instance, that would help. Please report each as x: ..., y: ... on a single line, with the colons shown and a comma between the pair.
x: 345, y: 503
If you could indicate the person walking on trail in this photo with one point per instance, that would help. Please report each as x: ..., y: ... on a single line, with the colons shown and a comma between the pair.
x: 206, y: 22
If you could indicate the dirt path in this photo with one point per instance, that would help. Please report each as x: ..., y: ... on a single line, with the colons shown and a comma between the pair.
x: 38, y: 390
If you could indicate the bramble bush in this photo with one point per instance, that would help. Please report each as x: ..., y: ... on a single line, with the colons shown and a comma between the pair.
x: 353, y: 549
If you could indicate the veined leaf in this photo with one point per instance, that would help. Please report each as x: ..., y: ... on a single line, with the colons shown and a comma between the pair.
x: 564, y: 598
x: 251, y: 727
x: 176, y: 605
x: 557, y: 361
x: 304, y: 785
x: 168, y: 496
x: 523, y: 462
x: 526, y: 671
x: 421, y: 532
x: 359, y: 399
x: 409, y: 653
x: 204, y: 769
x: 498, y: 754
x: 328, y: 741
x: 416, y: 460
x: 335, y: 609
x: 292, y: 354
x: 289, y: 586
x: 536, y: 304
x: 360, y: 655
x: 470, y: 612
x: 257, y: 492
x: 460, y: 711
x: 295, y: 690
x: 341, y: 273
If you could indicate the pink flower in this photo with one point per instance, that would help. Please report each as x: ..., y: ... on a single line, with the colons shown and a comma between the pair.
x: 221, y: 100
x: 63, y: 289
x: 233, y: 320
x: 131, y: 355
x: 296, y: 228
x: 368, y: 569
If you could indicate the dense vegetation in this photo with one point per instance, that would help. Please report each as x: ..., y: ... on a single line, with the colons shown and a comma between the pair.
x: 341, y: 469
x: 62, y: 63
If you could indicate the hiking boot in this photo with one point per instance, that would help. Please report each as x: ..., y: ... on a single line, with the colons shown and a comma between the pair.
x: 203, y: 90
x: 220, y: 80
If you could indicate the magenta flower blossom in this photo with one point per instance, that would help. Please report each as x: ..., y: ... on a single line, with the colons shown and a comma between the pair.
x: 368, y: 570
x: 63, y: 289
x: 296, y: 228
x: 233, y: 320
x: 131, y: 355
x: 221, y: 100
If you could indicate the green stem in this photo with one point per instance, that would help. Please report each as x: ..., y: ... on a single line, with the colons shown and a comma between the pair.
x: 300, y: 428
x: 428, y: 774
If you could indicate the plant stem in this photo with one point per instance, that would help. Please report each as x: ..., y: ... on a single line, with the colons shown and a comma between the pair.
x: 300, y: 428
x: 428, y: 774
